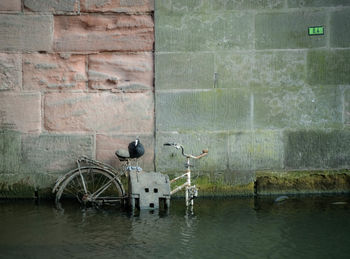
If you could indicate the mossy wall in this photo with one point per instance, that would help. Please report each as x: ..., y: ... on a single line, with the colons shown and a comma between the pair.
x: 245, y: 80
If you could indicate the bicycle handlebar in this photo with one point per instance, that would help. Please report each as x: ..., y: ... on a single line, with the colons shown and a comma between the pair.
x: 178, y: 146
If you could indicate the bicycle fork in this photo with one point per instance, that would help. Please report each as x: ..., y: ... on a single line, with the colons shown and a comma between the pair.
x: 191, y: 191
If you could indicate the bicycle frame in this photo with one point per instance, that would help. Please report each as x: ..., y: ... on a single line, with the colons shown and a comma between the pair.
x: 191, y: 191
x: 84, y: 182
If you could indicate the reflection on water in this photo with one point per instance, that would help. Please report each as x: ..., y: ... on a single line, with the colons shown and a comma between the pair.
x: 298, y: 227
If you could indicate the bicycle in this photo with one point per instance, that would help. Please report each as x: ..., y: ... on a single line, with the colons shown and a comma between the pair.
x: 191, y: 191
x: 96, y: 183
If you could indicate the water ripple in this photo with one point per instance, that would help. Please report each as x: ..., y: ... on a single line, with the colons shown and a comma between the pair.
x: 225, y: 228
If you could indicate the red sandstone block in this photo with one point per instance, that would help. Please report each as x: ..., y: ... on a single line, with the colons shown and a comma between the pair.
x: 106, y: 145
x: 99, y: 112
x: 10, y: 71
x: 103, y: 33
x: 127, y: 72
x: 50, y: 71
x: 120, y: 6
x: 10, y: 5
x: 20, y: 111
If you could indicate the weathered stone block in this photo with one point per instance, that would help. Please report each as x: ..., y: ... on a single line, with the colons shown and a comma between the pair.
x: 317, y: 149
x: 234, y: 69
x: 50, y: 153
x: 101, y: 112
x: 26, y: 185
x: 300, y: 182
x: 50, y: 71
x: 119, y: 6
x: 20, y: 111
x: 106, y: 145
x: 316, y: 3
x: 223, y: 184
x: 54, y: 6
x: 184, y: 6
x: 203, y: 110
x: 184, y: 70
x: 10, y: 71
x: 207, y: 6
x: 26, y: 32
x: 346, y: 114
x: 298, y: 107
x: 10, y: 5
x: 104, y: 33
x: 256, y: 150
x: 328, y: 66
x: 10, y: 151
x: 270, y: 68
x: 128, y: 72
x: 225, y: 5
x: 288, y: 30
x: 169, y: 159
x: 191, y: 32
x: 339, y: 28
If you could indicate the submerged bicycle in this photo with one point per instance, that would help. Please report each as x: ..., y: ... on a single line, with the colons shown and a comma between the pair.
x: 97, y: 183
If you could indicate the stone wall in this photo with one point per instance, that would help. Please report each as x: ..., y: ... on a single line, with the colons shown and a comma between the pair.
x: 241, y: 78
x: 244, y: 79
x: 76, y: 78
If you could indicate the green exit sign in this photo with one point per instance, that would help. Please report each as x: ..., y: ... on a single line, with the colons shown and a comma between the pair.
x: 316, y: 30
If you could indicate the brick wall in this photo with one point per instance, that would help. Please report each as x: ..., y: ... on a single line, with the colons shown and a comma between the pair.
x: 76, y: 78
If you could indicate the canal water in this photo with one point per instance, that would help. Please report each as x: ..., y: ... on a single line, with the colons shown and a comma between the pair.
x: 297, y: 227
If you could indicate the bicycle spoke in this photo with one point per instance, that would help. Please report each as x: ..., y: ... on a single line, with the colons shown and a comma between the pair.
x: 88, y: 185
x: 101, y: 189
x: 77, y: 184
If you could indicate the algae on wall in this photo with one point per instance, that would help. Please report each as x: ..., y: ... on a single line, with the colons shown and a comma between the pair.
x: 245, y: 80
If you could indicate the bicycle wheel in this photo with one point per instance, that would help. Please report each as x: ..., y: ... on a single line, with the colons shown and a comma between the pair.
x: 91, y: 185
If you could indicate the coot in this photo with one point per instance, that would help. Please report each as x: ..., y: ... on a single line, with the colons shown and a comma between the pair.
x: 136, y: 149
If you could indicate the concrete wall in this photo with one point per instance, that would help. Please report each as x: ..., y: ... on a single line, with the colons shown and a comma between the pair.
x: 244, y: 79
x: 76, y: 78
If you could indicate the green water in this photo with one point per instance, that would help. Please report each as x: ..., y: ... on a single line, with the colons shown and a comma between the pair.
x: 299, y: 227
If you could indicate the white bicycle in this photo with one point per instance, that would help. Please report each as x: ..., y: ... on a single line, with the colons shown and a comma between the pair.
x: 191, y: 191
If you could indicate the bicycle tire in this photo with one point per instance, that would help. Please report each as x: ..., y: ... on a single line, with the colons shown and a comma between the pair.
x: 72, y: 188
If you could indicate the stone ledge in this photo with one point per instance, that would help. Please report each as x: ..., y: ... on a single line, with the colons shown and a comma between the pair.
x: 26, y: 186
x: 303, y: 182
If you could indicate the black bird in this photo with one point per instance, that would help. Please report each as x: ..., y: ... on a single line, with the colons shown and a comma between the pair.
x: 136, y: 149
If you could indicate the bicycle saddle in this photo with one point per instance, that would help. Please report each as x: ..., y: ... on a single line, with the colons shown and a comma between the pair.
x: 122, y: 154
